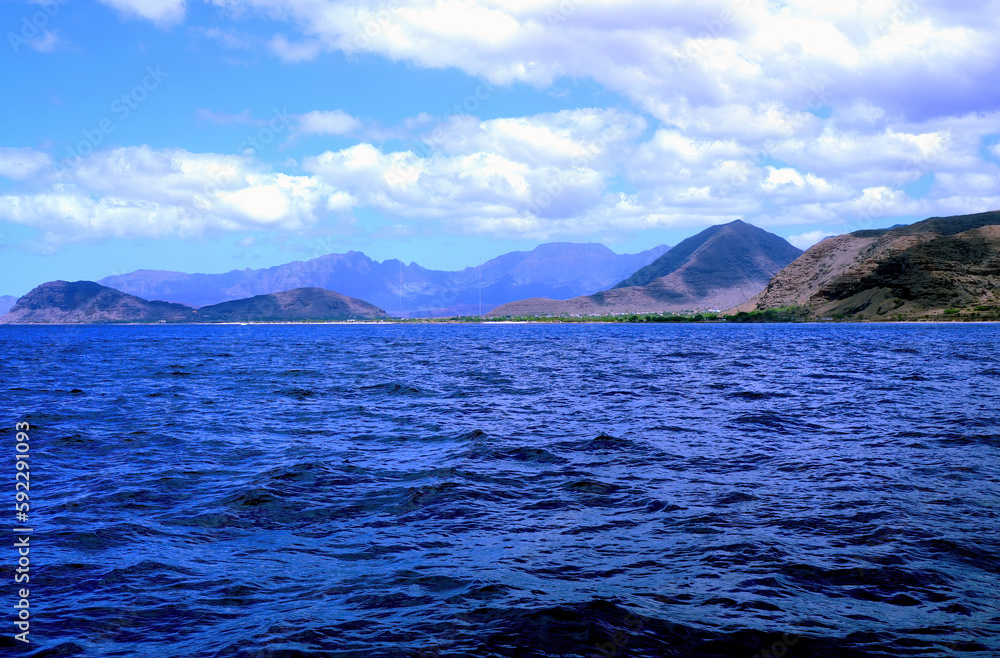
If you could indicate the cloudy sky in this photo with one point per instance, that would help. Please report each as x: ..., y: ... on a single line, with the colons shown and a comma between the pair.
x: 207, y: 136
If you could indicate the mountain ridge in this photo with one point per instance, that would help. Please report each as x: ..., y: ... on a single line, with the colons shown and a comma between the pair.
x: 88, y: 302
x: 916, y: 270
x: 560, y: 269
x: 720, y: 267
x: 298, y: 304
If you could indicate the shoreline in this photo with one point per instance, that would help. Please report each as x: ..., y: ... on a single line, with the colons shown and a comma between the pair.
x: 446, y: 321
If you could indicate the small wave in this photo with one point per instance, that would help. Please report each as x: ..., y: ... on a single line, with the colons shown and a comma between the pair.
x: 767, y: 420
x: 297, y: 393
x: 756, y: 395
x: 394, y: 388
x: 603, y: 443
x: 524, y: 454
x: 593, y: 487
x: 736, y: 497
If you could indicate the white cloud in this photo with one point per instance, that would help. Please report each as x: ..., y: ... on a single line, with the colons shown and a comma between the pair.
x: 162, y: 12
x: 540, y: 174
x: 586, y: 136
x: 46, y: 43
x: 586, y: 173
x: 142, y: 192
x: 662, y: 53
x: 336, y: 122
x: 22, y: 163
x: 289, y: 51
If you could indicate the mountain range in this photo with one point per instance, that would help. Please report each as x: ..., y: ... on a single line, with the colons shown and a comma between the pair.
x: 558, y: 270
x: 720, y: 267
x: 63, y: 302
x: 930, y: 269
x: 922, y: 270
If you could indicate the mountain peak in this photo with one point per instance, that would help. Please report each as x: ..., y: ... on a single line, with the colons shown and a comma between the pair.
x: 62, y: 302
x: 298, y: 304
x: 86, y: 301
x: 743, y: 247
x: 724, y: 265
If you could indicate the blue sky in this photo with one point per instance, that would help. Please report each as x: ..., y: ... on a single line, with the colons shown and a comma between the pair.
x: 208, y: 136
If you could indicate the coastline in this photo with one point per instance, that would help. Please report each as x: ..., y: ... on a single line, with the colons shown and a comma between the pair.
x: 485, y: 322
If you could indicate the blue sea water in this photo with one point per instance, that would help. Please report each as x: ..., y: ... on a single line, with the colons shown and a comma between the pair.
x: 508, y: 490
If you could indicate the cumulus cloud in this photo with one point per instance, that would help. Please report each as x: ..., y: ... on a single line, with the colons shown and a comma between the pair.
x: 786, y: 113
x: 537, y: 175
x: 924, y: 58
x: 586, y: 173
x: 22, y: 163
x: 142, y: 192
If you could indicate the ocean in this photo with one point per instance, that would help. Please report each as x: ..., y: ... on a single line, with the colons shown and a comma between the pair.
x: 506, y: 490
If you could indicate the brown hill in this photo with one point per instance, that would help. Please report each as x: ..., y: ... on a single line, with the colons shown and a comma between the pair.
x: 720, y: 267
x: 919, y: 270
x: 300, y: 304
x: 63, y: 302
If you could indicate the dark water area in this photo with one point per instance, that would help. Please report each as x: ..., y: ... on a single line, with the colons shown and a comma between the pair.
x: 546, y: 490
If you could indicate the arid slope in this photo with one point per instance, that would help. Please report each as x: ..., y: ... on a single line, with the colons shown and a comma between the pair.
x: 919, y: 270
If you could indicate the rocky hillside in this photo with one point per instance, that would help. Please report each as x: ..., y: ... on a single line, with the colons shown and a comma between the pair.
x: 719, y: 268
x: 300, y: 304
x: 62, y: 302
x: 85, y: 302
x: 916, y: 271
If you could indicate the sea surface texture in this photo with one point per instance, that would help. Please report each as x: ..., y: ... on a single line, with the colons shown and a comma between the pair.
x: 508, y: 490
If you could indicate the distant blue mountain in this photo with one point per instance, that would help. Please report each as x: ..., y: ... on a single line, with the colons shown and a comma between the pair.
x: 559, y: 270
x: 721, y: 267
x: 6, y: 303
